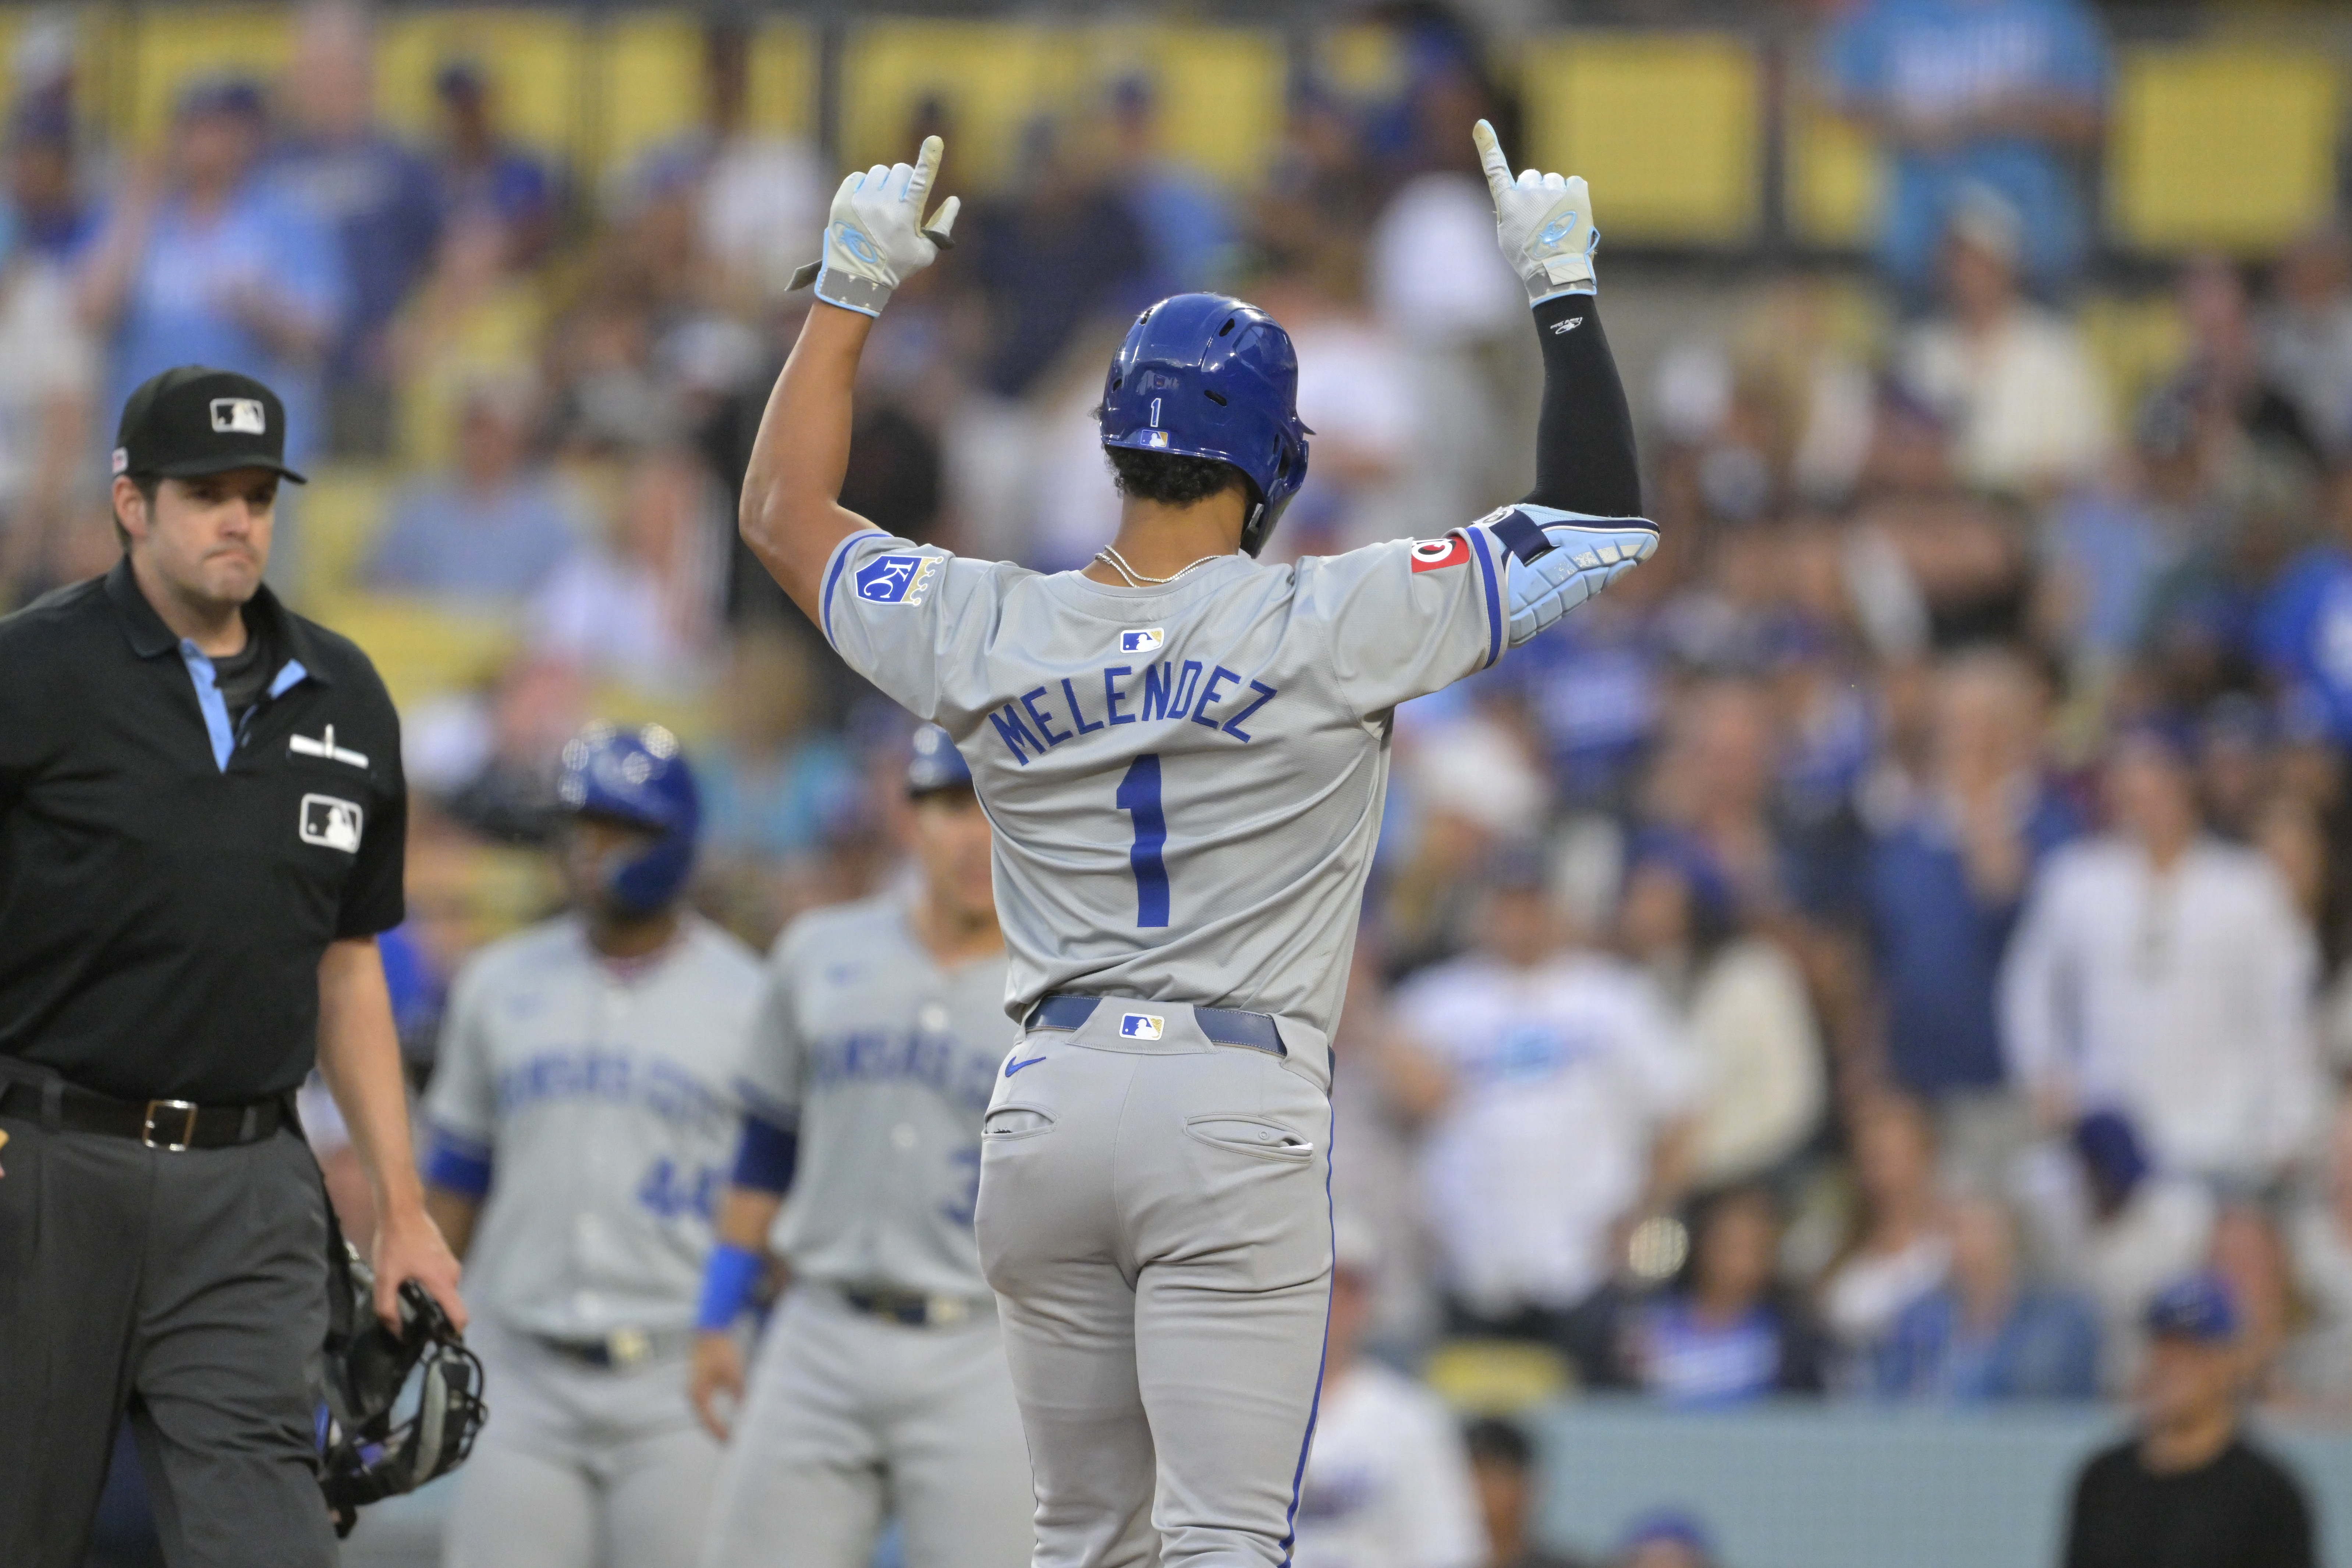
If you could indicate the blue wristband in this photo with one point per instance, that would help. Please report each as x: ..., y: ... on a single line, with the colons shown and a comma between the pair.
x: 727, y: 1282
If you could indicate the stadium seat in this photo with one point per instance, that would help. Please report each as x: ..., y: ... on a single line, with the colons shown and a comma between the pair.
x: 2226, y: 145
x: 1835, y: 179
x: 168, y: 46
x: 1496, y: 1377
x: 535, y: 60
x: 1668, y: 125
x: 422, y: 648
x: 650, y: 82
x: 1220, y: 89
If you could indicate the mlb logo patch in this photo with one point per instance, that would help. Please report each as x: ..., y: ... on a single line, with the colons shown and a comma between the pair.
x: 896, y: 579
x: 1157, y: 440
x: 1142, y: 640
x: 1142, y: 1026
x: 1431, y: 554
x: 331, y: 823
x: 240, y: 416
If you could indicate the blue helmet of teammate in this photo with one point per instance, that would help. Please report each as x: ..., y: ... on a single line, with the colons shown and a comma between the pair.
x: 1205, y: 375
x: 638, y: 777
x: 935, y: 764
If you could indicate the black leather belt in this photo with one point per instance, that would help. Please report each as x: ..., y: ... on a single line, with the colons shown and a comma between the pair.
x: 1222, y: 1026
x: 623, y: 1348
x: 915, y: 1312
x: 173, y: 1125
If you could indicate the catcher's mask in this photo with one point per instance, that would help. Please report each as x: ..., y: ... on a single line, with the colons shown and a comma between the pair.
x: 373, y: 1443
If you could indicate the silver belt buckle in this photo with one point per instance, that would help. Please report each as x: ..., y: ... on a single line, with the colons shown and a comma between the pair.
x: 946, y: 1312
x: 625, y: 1348
x: 185, y: 1109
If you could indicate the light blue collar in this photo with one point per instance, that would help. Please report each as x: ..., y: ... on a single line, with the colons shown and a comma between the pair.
x: 215, y: 707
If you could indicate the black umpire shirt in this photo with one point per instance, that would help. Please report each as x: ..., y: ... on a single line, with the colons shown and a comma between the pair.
x: 172, y: 870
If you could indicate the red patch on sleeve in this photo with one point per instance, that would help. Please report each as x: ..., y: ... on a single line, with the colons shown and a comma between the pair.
x: 1430, y: 554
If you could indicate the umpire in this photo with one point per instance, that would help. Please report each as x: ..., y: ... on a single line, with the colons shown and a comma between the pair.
x: 201, y: 822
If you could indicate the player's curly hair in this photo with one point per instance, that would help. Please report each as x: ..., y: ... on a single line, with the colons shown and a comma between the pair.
x: 1168, y: 478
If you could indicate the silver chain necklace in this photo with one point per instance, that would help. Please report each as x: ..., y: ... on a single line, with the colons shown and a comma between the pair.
x: 1109, y: 556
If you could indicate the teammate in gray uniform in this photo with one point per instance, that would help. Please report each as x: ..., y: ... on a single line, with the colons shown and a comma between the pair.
x: 1183, y: 754
x: 584, y: 1111
x: 881, y: 1383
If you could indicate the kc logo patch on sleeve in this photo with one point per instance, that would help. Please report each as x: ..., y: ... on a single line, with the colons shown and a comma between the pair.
x: 1142, y: 1026
x: 331, y: 823
x: 896, y: 579
x: 1430, y: 554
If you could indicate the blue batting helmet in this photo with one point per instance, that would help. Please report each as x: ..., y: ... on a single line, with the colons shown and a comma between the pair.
x: 638, y: 777
x: 936, y: 765
x: 1205, y: 375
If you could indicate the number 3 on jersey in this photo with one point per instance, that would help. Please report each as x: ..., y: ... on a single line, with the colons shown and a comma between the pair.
x: 1138, y: 796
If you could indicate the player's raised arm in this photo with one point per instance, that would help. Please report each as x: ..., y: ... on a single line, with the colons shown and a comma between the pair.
x: 1585, y: 463
x: 875, y: 239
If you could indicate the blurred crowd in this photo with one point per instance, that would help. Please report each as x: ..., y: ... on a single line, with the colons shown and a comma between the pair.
x: 1870, y: 953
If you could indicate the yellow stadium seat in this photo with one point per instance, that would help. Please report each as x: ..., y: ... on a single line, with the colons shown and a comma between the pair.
x: 1360, y: 62
x: 2136, y: 341
x: 1219, y: 90
x: 169, y: 46
x: 650, y: 82
x: 536, y: 62
x: 2225, y: 145
x: 1666, y: 126
x: 1836, y: 176
x: 422, y: 648
x: 336, y: 516
x: 1496, y: 1377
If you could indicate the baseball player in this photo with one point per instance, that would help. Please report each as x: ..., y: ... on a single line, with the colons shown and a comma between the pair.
x: 882, y: 1378
x: 582, y: 1111
x: 1183, y: 754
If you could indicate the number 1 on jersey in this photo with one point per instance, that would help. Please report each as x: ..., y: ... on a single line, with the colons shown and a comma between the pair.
x: 1138, y: 796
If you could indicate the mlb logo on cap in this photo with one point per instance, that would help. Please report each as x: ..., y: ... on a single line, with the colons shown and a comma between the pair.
x: 1142, y: 640
x: 1142, y: 1026
x: 1157, y: 440
x: 240, y: 416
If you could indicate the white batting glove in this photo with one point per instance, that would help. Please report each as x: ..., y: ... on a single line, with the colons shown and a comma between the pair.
x: 876, y: 237
x: 1543, y: 222
x: 1584, y: 556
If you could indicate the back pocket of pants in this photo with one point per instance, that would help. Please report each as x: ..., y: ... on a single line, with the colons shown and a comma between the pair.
x: 1008, y: 1123
x: 1251, y: 1136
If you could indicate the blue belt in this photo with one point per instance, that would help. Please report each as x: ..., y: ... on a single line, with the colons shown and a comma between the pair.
x: 1222, y: 1026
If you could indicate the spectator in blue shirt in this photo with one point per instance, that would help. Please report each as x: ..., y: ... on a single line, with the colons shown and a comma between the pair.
x: 211, y: 266
x: 1987, y: 1334
x: 48, y: 215
x: 484, y: 178
x: 1731, y: 1334
x: 495, y: 529
x: 1186, y: 226
x: 1992, y: 93
x: 376, y: 197
x: 1947, y: 876
x: 2303, y: 628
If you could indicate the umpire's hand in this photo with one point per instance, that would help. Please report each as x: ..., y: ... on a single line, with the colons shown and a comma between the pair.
x: 408, y: 1245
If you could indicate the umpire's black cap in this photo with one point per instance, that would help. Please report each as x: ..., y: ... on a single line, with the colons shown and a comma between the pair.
x: 193, y: 419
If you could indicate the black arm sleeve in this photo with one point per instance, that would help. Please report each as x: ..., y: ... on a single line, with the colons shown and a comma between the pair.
x: 1584, y: 435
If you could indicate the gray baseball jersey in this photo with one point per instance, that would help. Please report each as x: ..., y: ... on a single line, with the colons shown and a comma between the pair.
x: 1185, y: 781
x: 883, y: 1061
x: 604, y: 1097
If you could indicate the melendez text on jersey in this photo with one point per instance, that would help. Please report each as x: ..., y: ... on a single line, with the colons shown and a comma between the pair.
x: 1186, y: 779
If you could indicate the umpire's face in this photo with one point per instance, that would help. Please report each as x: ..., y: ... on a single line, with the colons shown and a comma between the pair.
x: 207, y: 538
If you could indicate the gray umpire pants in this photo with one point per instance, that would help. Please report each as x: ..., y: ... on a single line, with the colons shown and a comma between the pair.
x: 1155, y: 1217
x: 190, y: 1288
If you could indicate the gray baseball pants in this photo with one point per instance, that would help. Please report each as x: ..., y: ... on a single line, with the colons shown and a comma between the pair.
x: 190, y: 1288
x: 847, y: 1417
x: 1155, y: 1217
x: 580, y: 1466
